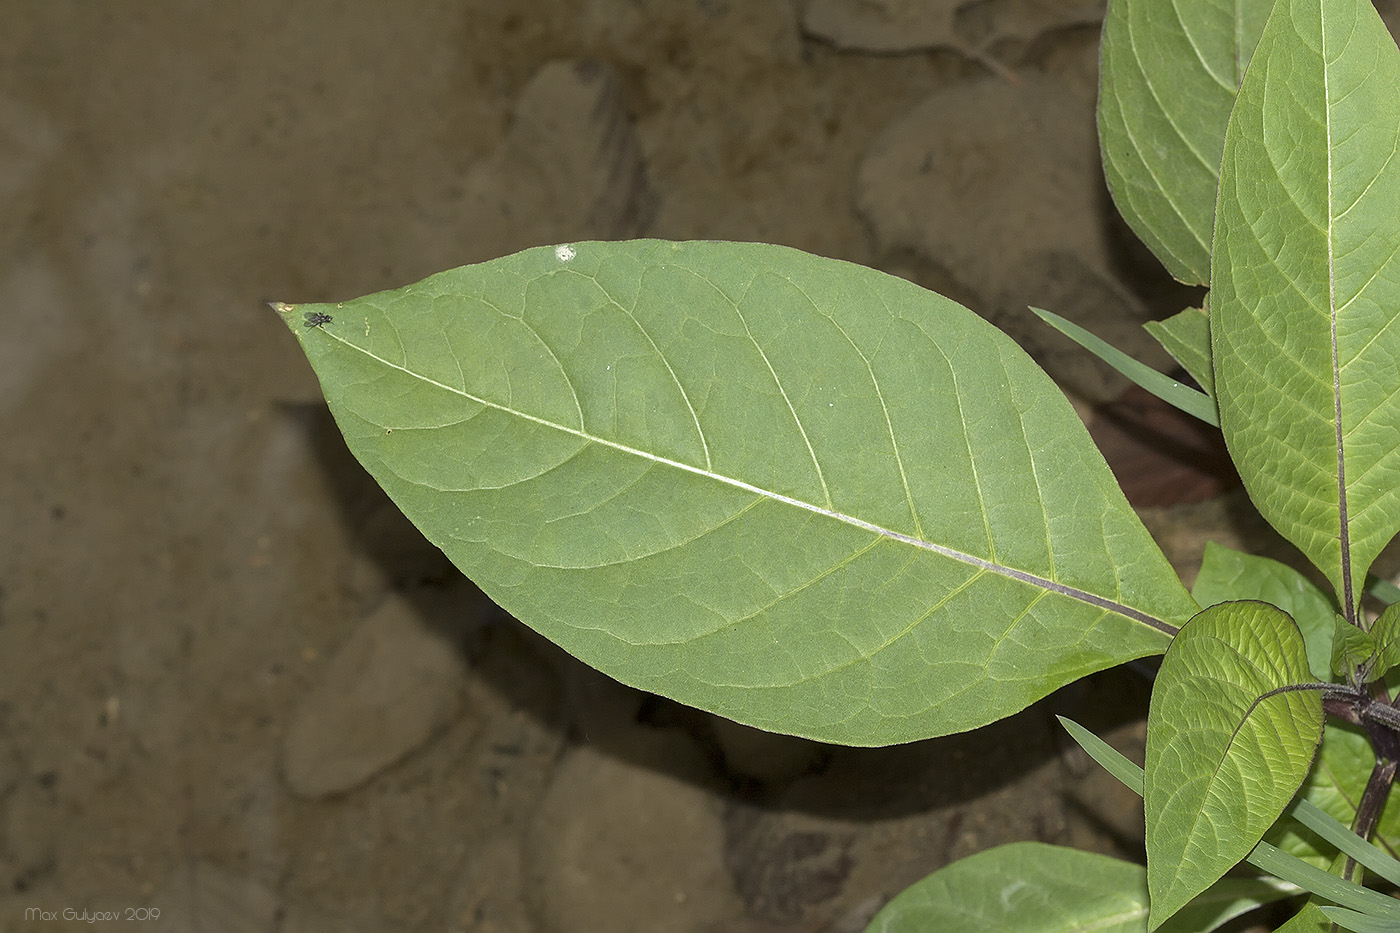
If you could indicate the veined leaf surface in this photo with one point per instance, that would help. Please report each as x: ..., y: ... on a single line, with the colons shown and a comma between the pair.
x: 1228, y: 575
x: 1225, y: 751
x: 799, y: 493
x: 1169, y: 73
x: 1306, y: 285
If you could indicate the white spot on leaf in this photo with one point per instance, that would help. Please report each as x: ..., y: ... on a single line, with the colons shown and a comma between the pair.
x: 564, y: 252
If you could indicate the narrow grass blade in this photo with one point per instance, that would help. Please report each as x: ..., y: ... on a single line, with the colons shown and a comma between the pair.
x: 1382, y: 589
x: 1264, y: 856
x: 1189, y: 400
x: 1324, y: 884
x: 1346, y: 841
x: 1109, y: 758
x: 1358, y: 922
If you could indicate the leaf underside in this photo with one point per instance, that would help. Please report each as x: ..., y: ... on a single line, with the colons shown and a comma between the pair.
x: 799, y: 493
x: 1306, y: 285
x: 1225, y: 754
x: 1169, y: 73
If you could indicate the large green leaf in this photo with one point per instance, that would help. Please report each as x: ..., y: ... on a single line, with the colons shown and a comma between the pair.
x: 1031, y: 887
x: 1228, y: 575
x: 1168, y: 76
x: 1306, y: 285
x: 800, y: 493
x: 1225, y: 752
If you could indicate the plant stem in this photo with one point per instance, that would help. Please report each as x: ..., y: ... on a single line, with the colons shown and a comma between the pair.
x: 1373, y: 798
x: 1381, y: 722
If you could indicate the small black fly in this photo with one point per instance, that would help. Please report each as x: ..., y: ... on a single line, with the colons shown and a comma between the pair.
x: 317, y: 318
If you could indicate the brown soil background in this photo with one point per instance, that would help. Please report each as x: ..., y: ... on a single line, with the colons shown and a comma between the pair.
x: 187, y: 546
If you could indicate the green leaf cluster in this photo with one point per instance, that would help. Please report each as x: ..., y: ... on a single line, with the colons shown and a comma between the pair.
x: 817, y: 499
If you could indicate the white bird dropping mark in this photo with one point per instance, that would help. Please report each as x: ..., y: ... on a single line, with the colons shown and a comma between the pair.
x: 564, y: 252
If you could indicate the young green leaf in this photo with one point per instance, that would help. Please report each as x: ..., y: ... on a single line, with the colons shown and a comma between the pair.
x: 1169, y: 72
x: 800, y: 493
x: 1169, y: 390
x: 1353, y: 651
x: 1033, y: 886
x: 1225, y: 750
x: 1305, y: 285
x: 1186, y: 336
x: 1386, y: 634
x: 1227, y: 575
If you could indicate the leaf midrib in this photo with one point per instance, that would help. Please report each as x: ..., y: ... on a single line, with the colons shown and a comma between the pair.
x: 1093, y: 599
x: 1343, y: 523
